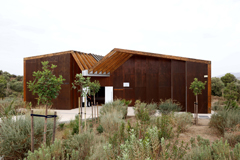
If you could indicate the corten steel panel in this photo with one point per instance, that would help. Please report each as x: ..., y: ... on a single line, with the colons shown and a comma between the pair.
x: 30, y: 68
x: 197, y: 70
x: 164, y: 93
x: 104, y: 81
x: 140, y: 71
x: 152, y: 79
x: 140, y: 93
x: 118, y: 93
x: 179, y: 83
x: 164, y: 75
x: 129, y: 66
x: 129, y: 94
x: 59, y: 60
x: 118, y: 78
x: 131, y: 79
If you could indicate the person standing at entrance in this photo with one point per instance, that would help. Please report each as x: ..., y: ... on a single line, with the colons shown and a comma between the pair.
x: 88, y: 100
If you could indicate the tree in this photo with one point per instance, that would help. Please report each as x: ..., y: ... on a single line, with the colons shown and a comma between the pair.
x: 197, y: 87
x: 47, y: 87
x: 81, y: 83
x: 17, y: 86
x: 231, y: 95
x: 217, y: 86
x: 228, y: 78
x: 94, y: 88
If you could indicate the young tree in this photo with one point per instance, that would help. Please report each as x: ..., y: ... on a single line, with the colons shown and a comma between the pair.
x: 47, y: 87
x: 94, y: 88
x: 228, y: 78
x: 231, y: 95
x: 217, y: 86
x: 80, y: 83
x: 197, y: 87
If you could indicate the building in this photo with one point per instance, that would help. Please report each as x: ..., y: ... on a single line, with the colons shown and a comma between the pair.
x: 127, y: 74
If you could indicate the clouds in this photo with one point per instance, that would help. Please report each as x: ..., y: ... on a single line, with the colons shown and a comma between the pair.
x: 197, y: 29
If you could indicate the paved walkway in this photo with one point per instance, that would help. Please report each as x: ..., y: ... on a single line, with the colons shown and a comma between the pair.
x: 68, y: 115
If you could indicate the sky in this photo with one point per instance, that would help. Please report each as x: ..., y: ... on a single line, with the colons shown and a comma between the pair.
x: 201, y: 29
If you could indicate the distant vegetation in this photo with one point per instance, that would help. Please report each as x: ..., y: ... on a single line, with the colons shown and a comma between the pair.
x: 10, y: 85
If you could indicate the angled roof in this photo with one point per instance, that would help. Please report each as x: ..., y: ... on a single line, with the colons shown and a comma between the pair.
x: 117, y: 57
x: 96, y: 64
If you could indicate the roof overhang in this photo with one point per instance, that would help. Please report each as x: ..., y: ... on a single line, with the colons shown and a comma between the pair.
x: 91, y: 74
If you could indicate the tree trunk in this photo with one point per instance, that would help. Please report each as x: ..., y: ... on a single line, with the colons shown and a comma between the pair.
x: 79, y: 115
x: 94, y: 99
x: 197, y: 110
x: 85, y: 114
x: 45, y: 128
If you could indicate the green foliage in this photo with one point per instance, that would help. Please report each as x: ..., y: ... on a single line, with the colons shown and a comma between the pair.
x: 197, y: 86
x: 231, y: 94
x: 46, y: 85
x: 94, y: 87
x: 19, y: 78
x: 217, y: 106
x: 15, y: 139
x: 7, y: 110
x: 228, y: 78
x: 218, y: 150
x: 100, y: 129
x: 116, y: 105
x: 165, y: 127
x: 2, y: 90
x: 81, y: 82
x: 126, y: 102
x: 225, y: 119
x: 217, y: 86
x: 111, y: 121
x: 183, y: 121
x: 17, y: 86
x: 54, y: 151
x: 83, y: 143
x: 75, y: 125
x: 61, y: 125
x: 168, y: 106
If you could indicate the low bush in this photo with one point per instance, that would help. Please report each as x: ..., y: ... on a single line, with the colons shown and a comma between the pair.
x: 218, y: 150
x: 83, y: 143
x: 217, y: 106
x: 225, y: 120
x: 100, y: 129
x: 17, y: 86
x: 15, y: 139
x: 168, y: 106
x: 116, y: 105
x: 111, y: 122
x: 183, y: 121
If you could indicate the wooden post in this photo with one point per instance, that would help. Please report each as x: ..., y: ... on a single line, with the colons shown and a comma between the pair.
x: 54, y: 127
x: 32, y: 133
x: 97, y: 112
x: 45, y: 128
x: 79, y: 115
x: 85, y: 104
x: 92, y: 110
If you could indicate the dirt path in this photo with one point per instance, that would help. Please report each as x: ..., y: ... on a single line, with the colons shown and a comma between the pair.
x: 202, y: 129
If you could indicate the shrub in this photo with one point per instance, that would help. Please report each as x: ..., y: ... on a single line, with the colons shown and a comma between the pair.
x: 217, y: 86
x: 111, y: 121
x: 231, y: 95
x: 83, y: 143
x: 217, y: 106
x: 75, y: 125
x: 116, y: 105
x: 142, y: 113
x: 225, y: 119
x: 17, y: 86
x: 165, y: 107
x: 15, y: 139
x: 183, y: 121
x: 100, y: 129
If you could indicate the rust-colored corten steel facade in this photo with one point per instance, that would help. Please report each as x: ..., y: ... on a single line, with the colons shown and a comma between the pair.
x: 150, y: 76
